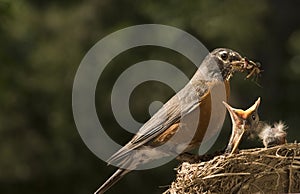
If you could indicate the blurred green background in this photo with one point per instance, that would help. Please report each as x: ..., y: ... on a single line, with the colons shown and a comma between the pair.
x: 41, y: 46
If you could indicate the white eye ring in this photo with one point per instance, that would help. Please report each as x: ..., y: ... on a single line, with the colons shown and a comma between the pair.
x: 224, y: 55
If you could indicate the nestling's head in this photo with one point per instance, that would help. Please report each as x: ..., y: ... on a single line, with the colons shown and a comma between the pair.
x: 246, y: 119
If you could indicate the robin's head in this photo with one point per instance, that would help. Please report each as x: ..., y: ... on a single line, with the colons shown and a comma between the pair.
x: 246, y: 119
x: 230, y: 61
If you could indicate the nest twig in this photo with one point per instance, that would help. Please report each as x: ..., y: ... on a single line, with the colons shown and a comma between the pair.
x: 276, y: 169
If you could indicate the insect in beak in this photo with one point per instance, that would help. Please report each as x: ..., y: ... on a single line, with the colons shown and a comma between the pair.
x: 254, y: 69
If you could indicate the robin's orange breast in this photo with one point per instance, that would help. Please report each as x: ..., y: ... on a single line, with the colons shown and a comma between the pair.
x: 203, y: 122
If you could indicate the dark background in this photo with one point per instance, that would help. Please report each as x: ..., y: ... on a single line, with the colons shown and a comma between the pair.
x: 43, y: 42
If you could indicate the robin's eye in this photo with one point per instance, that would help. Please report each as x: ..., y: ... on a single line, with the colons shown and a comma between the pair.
x: 253, y: 117
x: 224, y: 55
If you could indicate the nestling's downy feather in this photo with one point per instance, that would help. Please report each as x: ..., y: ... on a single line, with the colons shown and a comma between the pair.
x: 272, y: 136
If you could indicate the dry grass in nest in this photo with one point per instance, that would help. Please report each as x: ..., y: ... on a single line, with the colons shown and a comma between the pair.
x: 276, y: 169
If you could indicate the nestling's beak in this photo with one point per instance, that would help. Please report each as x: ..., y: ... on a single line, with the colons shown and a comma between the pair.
x: 240, y: 124
x: 238, y: 128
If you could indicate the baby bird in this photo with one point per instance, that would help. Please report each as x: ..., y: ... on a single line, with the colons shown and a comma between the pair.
x: 272, y: 136
x: 242, y: 121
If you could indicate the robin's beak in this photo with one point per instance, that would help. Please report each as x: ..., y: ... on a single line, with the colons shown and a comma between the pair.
x: 239, y: 64
x: 236, y: 60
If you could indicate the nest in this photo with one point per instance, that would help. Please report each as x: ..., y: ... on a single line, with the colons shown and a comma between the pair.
x: 260, y: 170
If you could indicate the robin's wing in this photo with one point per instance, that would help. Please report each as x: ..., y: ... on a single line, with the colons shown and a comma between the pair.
x: 177, y: 107
x: 184, y: 102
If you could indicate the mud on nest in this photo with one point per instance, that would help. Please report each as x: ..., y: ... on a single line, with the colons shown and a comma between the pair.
x: 276, y: 169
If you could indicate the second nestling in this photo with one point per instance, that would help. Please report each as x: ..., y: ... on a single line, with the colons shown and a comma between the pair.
x: 272, y: 136
x: 247, y: 122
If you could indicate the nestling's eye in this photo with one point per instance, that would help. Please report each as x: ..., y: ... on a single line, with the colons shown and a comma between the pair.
x: 253, y: 117
x: 224, y: 55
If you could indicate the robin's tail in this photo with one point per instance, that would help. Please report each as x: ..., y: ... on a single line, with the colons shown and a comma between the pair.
x: 112, y: 180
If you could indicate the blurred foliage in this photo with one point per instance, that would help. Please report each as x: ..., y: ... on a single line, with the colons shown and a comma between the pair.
x: 43, y: 42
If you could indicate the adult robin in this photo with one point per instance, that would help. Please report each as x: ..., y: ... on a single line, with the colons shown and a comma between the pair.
x: 243, y: 121
x: 182, y: 122
x: 272, y: 136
